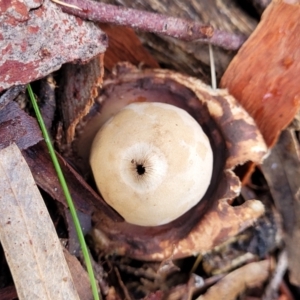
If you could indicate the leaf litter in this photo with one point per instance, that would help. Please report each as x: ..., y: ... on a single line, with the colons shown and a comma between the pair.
x: 133, y: 279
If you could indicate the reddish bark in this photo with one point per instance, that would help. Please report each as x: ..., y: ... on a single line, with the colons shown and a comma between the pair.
x: 32, y: 49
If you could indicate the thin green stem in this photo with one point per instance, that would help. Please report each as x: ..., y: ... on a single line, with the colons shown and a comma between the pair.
x: 67, y: 194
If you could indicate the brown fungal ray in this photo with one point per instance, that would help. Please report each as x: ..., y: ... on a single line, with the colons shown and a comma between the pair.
x: 234, y: 139
x: 263, y: 76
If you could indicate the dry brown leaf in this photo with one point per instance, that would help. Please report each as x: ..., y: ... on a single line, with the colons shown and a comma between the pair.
x: 263, y: 76
x: 237, y: 281
x: 31, y: 246
x: 80, y: 277
x: 18, y: 127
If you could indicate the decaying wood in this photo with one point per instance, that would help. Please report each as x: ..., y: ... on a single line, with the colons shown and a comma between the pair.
x: 36, y: 38
x: 28, y: 237
x: 263, y: 76
x: 282, y: 172
x: 78, y: 89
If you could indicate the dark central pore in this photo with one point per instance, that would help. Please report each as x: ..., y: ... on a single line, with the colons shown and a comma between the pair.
x: 140, y: 169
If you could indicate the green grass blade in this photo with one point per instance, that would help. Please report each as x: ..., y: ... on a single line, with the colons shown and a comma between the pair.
x: 67, y: 194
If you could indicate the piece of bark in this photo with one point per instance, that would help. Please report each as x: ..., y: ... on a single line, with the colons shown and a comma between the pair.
x: 36, y: 38
x: 263, y: 76
x: 29, y: 239
x: 236, y: 282
x: 18, y: 127
x: 282, y: 172
x: 192, y: 58
x: 79, y: 86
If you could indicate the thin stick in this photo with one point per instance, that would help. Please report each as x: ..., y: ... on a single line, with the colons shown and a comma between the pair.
x: 196, y: 264
x: 67, y: 194
x: 146, y: 21
x: 272, y: 288
x: 66, y: 4
x: 212, y: 68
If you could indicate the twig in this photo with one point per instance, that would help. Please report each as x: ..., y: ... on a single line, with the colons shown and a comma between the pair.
x: 272, y: 288
x: 157, y: 23
x: 212, y: 68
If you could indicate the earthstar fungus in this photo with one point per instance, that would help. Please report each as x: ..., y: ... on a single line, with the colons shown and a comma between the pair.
x: 151, y: 162
x: 234, y: 140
